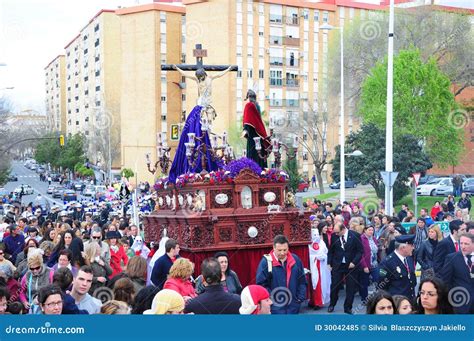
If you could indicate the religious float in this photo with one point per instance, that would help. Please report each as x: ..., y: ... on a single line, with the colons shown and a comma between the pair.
x: 213, y: 202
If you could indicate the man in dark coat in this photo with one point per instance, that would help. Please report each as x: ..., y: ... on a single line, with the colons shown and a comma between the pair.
x: 214, y: 299
x: 458, y: 274
x: 448, y: 245
x: 397, y: 270
x: 162, y: 266
x: 344, y: 256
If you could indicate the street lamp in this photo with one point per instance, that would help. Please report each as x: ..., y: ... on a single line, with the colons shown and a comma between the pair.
x: 355, y: 153
x: 327, y: 27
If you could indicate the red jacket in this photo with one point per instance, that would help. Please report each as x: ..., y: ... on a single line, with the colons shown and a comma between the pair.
x: 115, y: 260
x: 434, y: 211
x: 182, y: 287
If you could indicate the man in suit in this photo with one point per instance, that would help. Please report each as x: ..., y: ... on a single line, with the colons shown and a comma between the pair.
x: 397, y: 270
x: 344, y: 257
x: 458, y: 274
x: 448, y: 245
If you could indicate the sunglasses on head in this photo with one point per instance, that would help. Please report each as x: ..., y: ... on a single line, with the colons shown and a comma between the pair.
x: 37, y: 268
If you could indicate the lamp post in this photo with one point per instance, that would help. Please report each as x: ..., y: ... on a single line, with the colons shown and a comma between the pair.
x: 327, y: 27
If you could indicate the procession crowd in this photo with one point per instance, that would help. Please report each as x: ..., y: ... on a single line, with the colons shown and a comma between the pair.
x: 80, y: 261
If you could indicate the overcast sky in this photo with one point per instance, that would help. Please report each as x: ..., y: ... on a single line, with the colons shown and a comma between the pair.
x: 34, y: 32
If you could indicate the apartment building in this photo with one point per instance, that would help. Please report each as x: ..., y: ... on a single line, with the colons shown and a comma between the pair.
x: 55, y: 85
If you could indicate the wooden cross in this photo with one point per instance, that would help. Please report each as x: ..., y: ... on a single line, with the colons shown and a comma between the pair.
x: 199, y: 53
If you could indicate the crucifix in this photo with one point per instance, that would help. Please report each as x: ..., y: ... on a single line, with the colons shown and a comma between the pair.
x: 203, y: 80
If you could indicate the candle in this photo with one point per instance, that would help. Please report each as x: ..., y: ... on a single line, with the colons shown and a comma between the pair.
x: 148, y: 161
x: 244, y: 153
x: 295, y: 141
x: 231, y: 151
x: 191, y: 138
x: 224, y: 138
x: 158, y: 138
x: 258, y: 146
x: 188, y: 149
x: 275, y: 145
x: 214, y: 141
x: 272, y: 123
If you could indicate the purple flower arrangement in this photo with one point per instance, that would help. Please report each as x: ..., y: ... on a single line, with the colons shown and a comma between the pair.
x: 234, y: 167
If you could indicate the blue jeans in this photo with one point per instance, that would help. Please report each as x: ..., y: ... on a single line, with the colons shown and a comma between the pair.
x: 365, y: 280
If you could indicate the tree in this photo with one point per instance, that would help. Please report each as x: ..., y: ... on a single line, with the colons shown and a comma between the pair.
x: 83, y: 171
x: 423, y: 105
x: 291, y: 168
x: 127, y: 173
x: 73, y: 151
x: 446, y: 37
x: 48, y: 151
x: 408, y: 158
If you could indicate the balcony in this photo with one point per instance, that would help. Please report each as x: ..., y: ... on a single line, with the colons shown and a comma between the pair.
x: 280, y: 61
x: 278, y: 102
x: 275, y: 40
x: 292, y: 20
x: 276, y: 82
x: 276, y: 19
x: 292, y: 82
x: 291, y: 41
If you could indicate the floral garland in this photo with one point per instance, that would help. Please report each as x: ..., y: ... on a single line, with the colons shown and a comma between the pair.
x: 184, y: 179
x: 218, y: 177
x: 273, y: 175
x: 161, y: 184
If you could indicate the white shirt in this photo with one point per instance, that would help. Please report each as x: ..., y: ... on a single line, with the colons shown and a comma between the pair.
x: 346, y: 234
x: 401, y: 257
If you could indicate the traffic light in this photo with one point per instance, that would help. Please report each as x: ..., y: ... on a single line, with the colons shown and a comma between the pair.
x: 61, y: 140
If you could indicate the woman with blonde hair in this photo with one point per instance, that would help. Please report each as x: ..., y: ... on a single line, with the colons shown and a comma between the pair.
x: 166, y: 302
x: 424, y: 256
x: 114, y: 307
x: 179, y: 278
x: 100, y: 268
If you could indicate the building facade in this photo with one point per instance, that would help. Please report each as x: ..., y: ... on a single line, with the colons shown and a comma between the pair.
x: 55, y: 85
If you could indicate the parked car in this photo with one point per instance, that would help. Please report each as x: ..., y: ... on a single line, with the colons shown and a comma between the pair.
x: 55, y: 177
x: 348, y: 183
x: 50, y: 189
x: 445, y: 188
x: 69, y: 195
x: 40, y: 170
x: 12, y: 177
x: 27, y: 189
x: 468, y: 186
x: 89, y: 191
x: 427, y: 178
x: 79, y: 186
x: 58, y: 192
x: 431, y: 186
x: 303, y: 186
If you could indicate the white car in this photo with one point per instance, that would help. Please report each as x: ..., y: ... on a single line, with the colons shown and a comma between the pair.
x: 434, y: 187
x: 27, y: 189
x: 89, y: 191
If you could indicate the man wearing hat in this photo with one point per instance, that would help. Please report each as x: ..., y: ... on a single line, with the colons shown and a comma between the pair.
x: 39, y: 216
x: 397, y: 271
x: 78, y: 214
x: 53, y: 215
x: 255, y: 301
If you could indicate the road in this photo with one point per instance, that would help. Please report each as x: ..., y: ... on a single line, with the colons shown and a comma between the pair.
x: 29, y: 177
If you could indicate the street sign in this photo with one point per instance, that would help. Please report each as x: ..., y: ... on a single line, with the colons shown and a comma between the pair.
x: 416, y: 178
x: 389, y: 178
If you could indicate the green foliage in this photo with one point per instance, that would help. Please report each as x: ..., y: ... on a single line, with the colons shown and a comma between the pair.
x: 73, y: 152
x: 4, y: 172
x: 408, y: 158
x: 127, y: 173
x: 423, y: 105
x: 83, y: 171
x: 291, y: 168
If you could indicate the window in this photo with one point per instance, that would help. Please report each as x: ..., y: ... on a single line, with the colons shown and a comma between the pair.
x: 68, y: 88
x: 163, y: 118
x: 239, y: 73
x: 77, y: 110
x: 86, y: 51
x: 249, y: 73
x: 97, y: 58
x: 97, y: 103
x: 86, y: 78
x: 97, y: 88
x: 96, y: 28
x: 76, y: 85
x: 316, y: 16
x: 260, y: 33
x: 96, y: 42
x: 76, y: 98
x: 163, y: 98
x: 97, y: 73
x: 261, y: 74
x: 325, y: 16
x: 86, y: 92
x: 183, y: 97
